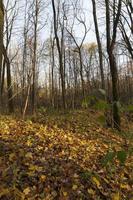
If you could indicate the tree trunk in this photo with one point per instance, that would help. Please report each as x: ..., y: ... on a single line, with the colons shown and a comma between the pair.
x: 81, y: 74
x: 9, y: 82
x: 99, y: 44
x: 34, y: 60
x: 114, y: 75
x: 1, y: 39
x: 111, y: 33
x: 60, y: 54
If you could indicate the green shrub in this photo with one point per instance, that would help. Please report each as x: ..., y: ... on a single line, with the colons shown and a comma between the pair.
x: 101, y: 105
x: 129, y: 108
x: 121, y: 156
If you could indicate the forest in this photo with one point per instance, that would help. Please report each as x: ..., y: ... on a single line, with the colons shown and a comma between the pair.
x: 66, y: 100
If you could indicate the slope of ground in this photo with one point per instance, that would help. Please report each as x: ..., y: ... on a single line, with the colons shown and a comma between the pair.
x: 60, y: 157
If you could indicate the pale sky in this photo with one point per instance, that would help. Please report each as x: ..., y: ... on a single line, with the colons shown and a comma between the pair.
x: 45, y: 32
x: 17, y: 37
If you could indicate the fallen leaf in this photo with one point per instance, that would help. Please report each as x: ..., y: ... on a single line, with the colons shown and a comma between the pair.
x: 26, y: 191
x: 65, y: 194
x: 29, y: 155
x: 91, y: 191
x: 42, y: 178
x: 124, y: 186
x: 4, y: 191
x: 116, y: 196
x: 74, y: 187
x: 96, y: 181
x: 12, y: 156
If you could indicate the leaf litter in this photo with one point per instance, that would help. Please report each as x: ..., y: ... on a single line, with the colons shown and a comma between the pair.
x: 60, y: 158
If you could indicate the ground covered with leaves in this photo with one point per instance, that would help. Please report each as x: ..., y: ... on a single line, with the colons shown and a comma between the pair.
x: 68, y: 156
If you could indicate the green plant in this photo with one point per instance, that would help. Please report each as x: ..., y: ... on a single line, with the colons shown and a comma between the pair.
x: 129, y: 108
x: 84, y: 103
x: 101, y: 105
x: 121, y: 156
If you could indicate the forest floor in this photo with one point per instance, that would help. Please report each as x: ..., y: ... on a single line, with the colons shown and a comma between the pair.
x: 60, y: 156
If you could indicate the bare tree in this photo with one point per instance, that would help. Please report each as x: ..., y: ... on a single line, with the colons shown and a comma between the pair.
x: 60, y: 52
x: 10, y: 16
x: 34, y: 60
x: 79, y: 48
x: 1, y: 39
x: 99, y: 43
x: 111, y: 34
x: 126, y: 26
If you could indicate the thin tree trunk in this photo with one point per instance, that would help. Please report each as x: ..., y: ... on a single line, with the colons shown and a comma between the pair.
x: 114, y: 74
x: 60, y: 53
x: 81, y: 74
x: 99, y: 44
x: 26, y: 101
x: 111, y: 40
x: 1, y: 40
x: 9, y: 82
x: 34, y: 61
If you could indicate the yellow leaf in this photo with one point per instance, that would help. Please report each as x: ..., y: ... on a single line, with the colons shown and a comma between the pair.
x: 96, y: 181
x: 12, y: 156
x: 116, y: 196
x: 43, y: 178
x: 33, y: 167
x: 29, y: 155
x: 29, y: 143
x: 26, y: 191
x: 31, y: 173
x: 106, y: 180
x: 124, y: 186
x: 65, y: 194
x: 39, y: 148
x: 91, y: 191
x: 39, y: 169
x: 3, y: 192
x: 74, y: 187
x: 19, y: 194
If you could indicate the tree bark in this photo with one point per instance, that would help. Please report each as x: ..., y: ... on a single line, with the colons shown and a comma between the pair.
x: 99, y: 44
x: 9, y: 82
x: 60, y: 53
x: 1, y: 40
x: 111, y: 40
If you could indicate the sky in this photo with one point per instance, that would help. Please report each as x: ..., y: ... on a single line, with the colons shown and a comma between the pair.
x: 88, y: 10
x: 17, y: 36
x: 45, y: 32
